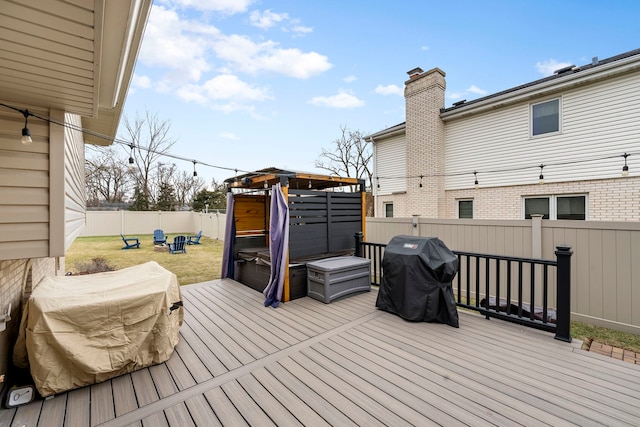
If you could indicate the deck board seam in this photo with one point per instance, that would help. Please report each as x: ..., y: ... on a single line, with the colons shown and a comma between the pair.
x: 212, y: 383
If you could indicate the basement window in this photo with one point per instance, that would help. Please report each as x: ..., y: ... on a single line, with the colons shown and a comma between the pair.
x: 465, y: 209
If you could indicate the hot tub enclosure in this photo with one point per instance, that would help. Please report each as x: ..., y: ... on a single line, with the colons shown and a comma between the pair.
x: 322, y: 214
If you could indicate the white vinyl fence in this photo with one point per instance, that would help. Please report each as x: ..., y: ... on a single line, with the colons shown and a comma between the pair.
x: 605, y: 267
x: 130, y: 223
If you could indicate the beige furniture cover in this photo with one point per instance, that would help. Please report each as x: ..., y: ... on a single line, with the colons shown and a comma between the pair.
x: 81, y: 330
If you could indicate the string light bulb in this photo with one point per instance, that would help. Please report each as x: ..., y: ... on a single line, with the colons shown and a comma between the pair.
x: 195, y: 173
x: 420, y: 185
x: 309, y: 184
x: 625, y: 168
x: 131, y: 162
x: 26, y: 134
x: 541, y: 177
x: 475, y: 182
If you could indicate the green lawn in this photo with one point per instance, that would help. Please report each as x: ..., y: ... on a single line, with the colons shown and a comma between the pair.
x: 201, y: 263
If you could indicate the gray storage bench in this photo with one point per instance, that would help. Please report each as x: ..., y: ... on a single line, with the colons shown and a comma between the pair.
x: 331, y: 278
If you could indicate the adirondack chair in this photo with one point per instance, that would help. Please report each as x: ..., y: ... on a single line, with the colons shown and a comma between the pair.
x: 131, y: 242
x: 178, y: 245
x: 194, y: 240
x: 159, y: 238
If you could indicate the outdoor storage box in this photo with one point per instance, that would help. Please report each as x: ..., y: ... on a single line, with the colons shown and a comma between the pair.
x: 253, y: 269
x: 332, y: 278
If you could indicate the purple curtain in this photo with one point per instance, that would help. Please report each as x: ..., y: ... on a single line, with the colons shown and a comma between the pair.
x: 229, y: 237
x: 278, y: 247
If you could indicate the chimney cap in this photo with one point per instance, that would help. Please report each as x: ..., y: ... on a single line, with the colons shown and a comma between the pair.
x: 415, y: 71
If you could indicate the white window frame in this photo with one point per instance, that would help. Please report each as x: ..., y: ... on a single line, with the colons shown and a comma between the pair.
x: 384, y: 209
x: 553, y: 204
x: 542, y: 135
x: 473, y: 208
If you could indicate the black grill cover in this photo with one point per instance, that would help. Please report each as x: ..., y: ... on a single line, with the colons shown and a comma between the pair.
x: 416, y: 284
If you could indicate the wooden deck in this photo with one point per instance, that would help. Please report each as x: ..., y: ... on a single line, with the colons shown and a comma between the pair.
x: 346, y: 363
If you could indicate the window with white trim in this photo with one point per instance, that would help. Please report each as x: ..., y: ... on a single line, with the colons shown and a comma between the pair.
x: 465, y: 209
x: 556, y: 207
x: 545, y: 117
x: 388, y: 210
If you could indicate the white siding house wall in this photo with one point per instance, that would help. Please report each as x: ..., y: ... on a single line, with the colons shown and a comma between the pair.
x: 391, y: 166
x: 24, y: 188
x: 596, y: 122
x: 74, y: 180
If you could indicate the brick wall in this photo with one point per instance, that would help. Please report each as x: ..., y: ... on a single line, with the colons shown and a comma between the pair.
x: 14, y: 274
x: 424, y: 95
x: 608, y: 199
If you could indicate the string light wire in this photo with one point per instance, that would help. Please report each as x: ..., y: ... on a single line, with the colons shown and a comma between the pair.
x: 117, y: 140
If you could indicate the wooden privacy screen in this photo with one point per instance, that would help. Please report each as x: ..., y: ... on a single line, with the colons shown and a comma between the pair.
x: 322, y: 222
x: 251, y: 213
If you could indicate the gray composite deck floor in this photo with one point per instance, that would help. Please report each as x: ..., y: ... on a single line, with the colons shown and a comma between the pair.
x: 346, y: 363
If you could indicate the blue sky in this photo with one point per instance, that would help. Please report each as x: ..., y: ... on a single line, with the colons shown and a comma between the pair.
x: 254, y: 84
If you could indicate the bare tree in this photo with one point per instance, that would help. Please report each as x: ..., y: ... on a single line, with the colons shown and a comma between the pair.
x: 186, y: 187
x: 149, y: 136
x: 106, y: 176
x: 349, y: 156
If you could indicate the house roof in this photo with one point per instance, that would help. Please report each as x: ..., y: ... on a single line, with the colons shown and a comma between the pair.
x: 72, y: 56
x: 386, y: 133
x: 565, y: 75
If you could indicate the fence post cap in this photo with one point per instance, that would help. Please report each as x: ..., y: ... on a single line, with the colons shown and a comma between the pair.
x: 563, y: 250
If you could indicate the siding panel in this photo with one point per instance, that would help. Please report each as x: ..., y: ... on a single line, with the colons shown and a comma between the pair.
x: 24, y: 188
x: 74, y: 181
x: 391, y: 165
x: 596, y: 123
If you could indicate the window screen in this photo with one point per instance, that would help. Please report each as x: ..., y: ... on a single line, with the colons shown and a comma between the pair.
x: 537, y: 205
x: 571, y: 207
x: 465, y: 209
x: 545, y: 117
x: 388, y: 210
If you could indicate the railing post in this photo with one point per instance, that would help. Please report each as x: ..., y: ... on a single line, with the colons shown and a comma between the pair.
x: 563, y: 293
x: 358, y: 237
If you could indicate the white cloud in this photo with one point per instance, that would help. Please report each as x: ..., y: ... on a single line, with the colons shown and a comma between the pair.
x: 473, y: 89
x: 266, y: 19
x: 546, y: 68
x: 252, y: 57
x: 143, y: 82
x: 388, y: 90
x: 425, y: 48
x: 225, y: 93
x: 301, y: 30
x: 341, y: 100
x: 350, y: 79
x: 229, y: 135
x: 176, y: 44
x: 222, y: 6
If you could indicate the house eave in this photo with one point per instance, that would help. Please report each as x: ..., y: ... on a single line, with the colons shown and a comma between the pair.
x: 396, y: 130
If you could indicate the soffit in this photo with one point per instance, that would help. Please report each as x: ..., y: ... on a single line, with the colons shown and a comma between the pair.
x: 71, y: 55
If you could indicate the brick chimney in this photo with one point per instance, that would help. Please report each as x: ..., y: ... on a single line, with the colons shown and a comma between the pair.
x: 424, y: 97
